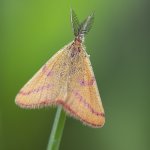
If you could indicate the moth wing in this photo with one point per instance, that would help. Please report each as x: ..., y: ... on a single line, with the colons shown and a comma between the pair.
x: 47, y: 86
x: 83, y: 100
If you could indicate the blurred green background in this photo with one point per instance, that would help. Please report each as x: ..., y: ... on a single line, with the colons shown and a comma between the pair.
x: 119, y: 44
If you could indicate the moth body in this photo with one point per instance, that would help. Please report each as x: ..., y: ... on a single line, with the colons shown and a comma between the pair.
x: 67, y: 79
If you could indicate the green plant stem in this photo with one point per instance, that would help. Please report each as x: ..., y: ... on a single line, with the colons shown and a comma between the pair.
x: 57, y: 130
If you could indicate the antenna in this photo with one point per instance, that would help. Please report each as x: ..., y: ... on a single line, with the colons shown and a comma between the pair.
x: 80, y: 29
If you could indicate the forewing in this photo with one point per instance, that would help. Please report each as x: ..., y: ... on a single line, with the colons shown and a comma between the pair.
x: 48, y: 85
x: 83, y: 100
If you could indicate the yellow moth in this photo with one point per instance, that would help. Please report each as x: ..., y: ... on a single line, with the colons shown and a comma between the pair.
x: 67, y: 79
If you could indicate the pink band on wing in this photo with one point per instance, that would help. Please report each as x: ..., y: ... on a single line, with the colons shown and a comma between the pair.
x: 87, y: 83
x: 87, y: 105
x: 41, y: 88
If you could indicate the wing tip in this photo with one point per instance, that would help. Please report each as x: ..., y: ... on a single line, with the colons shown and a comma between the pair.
x: 94, y: 124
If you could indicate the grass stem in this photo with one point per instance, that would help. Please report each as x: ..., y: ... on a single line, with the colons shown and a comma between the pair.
x: 57, y: 130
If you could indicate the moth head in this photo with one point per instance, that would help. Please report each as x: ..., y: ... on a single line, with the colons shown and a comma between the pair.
x: 81, y: 29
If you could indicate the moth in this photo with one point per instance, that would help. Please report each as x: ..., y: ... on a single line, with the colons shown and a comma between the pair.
x: 67, y: 79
